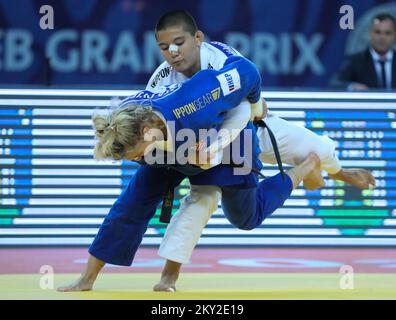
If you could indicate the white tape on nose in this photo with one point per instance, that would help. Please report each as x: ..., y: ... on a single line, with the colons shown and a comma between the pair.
x: 173, y: 48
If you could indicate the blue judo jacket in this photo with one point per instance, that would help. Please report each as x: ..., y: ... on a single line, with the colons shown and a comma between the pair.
x: 200, y: 103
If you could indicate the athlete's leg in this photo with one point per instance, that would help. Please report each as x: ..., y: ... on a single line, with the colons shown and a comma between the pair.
x: 88, y: 277
x: 123, y: 228
x: 247, y: 208
x: 185, y: 228
x: 184, y: 231
x: 172, y: 247
x: 296, y: 142
x: 357, y: 177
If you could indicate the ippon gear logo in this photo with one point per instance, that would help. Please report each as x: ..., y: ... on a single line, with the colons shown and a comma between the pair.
x: 215, y: 93
x: 197, y: 104
x: 163, y: 73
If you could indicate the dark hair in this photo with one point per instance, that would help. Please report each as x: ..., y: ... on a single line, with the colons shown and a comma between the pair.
x: 383, y: 17
x: 177, y: 18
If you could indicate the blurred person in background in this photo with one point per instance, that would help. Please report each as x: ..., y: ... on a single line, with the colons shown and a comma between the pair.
x: 375, y: 67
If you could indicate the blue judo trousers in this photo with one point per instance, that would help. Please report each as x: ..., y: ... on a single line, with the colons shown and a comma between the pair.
x: 246, y: 202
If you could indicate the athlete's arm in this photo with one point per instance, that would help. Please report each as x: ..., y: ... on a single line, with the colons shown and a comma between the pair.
x: 236, y: 119
x: 249, y: 76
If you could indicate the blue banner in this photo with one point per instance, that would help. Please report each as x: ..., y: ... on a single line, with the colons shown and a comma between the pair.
x: 295, y: 43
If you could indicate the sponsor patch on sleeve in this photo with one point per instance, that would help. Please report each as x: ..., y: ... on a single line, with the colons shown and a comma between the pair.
x: 229, y: 81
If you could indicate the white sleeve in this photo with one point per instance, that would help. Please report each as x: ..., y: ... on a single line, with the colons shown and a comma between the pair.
x: 235, y: 121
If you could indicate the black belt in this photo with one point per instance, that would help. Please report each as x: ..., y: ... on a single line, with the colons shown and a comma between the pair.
x: 235, y: 165
x: 167, y: 202
x: 169, y: 195
x: 261, y: 123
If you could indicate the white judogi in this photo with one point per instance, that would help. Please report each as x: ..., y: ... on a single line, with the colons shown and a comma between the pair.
x: 294, y: 143
x: 213, y: 56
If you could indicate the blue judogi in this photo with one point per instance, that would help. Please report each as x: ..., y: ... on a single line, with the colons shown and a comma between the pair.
x: 200, y: 103
x: 246, y: 203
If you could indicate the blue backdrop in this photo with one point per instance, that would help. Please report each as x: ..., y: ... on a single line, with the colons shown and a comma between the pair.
x: 293, y: 42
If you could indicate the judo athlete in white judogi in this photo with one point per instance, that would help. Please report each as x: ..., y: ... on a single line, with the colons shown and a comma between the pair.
x: 185, y: 53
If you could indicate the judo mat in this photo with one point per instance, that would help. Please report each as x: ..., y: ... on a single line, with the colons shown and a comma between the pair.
x: 215, y: 273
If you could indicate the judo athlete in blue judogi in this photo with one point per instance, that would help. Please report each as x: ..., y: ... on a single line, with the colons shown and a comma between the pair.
x: 246, y: 202
x: 199, y: 103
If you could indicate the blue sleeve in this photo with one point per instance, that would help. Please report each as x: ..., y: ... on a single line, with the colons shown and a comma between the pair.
x: 203, y: 100
x: 250, y: 79
x: 238, y: 79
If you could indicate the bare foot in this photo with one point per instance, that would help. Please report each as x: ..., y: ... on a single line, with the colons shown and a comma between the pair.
x: 307, y: 171
x: 79, y: 285
x: 167, y: 283
x: 360, y: 178
x: 314, y: 181
x: 169, y: 276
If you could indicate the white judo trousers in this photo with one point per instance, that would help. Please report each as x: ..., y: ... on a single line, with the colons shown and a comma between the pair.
x: 294, y: 143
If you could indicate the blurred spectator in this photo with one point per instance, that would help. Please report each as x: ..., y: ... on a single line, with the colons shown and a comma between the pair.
x: 375, y: 67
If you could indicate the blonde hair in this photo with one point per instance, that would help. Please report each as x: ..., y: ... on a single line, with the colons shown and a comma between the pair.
x: 120, y: 129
